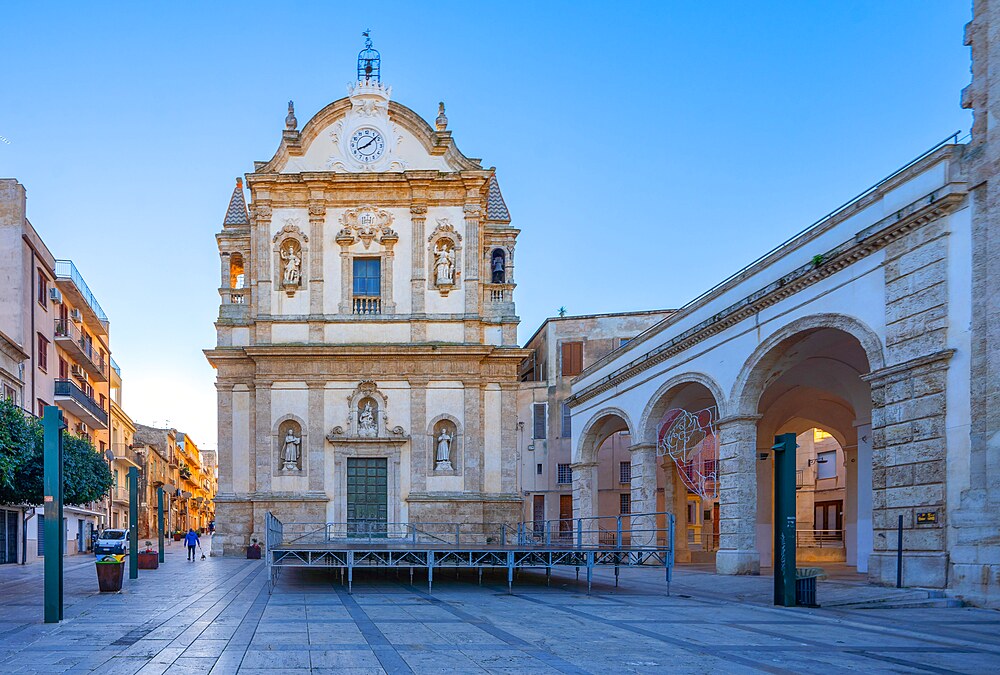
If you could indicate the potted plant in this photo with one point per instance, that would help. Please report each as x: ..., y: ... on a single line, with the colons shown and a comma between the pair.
x: 253, y: 550
x: 177, y: 535
x: 148, y: 558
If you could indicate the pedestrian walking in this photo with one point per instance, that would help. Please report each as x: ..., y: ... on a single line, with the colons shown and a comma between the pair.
x: 191, y: 540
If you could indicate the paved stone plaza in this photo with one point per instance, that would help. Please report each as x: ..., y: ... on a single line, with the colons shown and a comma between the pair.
x: 221, y: 619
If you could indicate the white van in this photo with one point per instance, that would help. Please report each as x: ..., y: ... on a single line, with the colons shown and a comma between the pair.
x: 112, y: 541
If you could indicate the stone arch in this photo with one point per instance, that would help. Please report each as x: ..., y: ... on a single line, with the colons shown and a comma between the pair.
x: 750, y: 383
x: 457, y: 446
x: 598, y: 428
x: 657, y: 403
x: 278, y: 431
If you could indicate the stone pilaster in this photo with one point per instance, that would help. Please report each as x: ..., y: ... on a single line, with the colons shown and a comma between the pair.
x: 419, y: 461
x: 473, y: 331
x: 737, y: 552
x: 224, y: 394
x: 508, y: 437
x: 262, y: 234
x: 909, y: 451
x: 317, y: 219
x: 317, y: 437
x: 418, y: 271
x: 262, y: 437
x: 473, y: 435
x: 345, y: 276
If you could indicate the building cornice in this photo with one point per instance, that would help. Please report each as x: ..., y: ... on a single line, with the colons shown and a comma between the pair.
x: 865, y: 243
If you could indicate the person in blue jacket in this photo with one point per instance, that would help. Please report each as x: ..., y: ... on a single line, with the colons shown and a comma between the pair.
x: 191, y: 540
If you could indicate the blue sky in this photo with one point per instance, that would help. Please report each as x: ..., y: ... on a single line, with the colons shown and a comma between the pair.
x: 646, y: 150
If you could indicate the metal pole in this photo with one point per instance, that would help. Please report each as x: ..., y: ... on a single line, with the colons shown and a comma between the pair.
x: 899, y: 552
x: 52, y: 426
x: 133, y: 523
x: 159, y: 520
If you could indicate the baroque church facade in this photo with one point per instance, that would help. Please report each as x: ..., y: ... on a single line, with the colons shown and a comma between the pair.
x: 367, y: 358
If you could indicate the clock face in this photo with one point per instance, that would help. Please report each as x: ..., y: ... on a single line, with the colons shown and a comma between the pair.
x: 367, y: 145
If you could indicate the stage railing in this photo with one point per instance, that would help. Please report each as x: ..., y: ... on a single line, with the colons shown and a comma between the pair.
x: 636, y: 530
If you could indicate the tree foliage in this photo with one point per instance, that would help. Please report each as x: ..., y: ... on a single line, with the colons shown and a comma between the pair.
x: 86, y: 476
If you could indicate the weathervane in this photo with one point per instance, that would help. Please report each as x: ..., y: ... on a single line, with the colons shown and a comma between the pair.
x: 369, y: 60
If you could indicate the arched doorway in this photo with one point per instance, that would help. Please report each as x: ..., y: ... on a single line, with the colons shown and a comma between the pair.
x: 810, y: 382
x: 605, y: 437
x: 680, y: 423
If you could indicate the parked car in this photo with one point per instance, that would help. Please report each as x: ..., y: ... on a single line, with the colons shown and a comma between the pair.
x: 112, y: 541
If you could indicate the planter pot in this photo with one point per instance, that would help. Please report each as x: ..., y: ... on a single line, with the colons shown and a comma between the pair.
x: 149, y: 561
x: 109, y: 576
x: 177, y: 537
x: 253, y: 552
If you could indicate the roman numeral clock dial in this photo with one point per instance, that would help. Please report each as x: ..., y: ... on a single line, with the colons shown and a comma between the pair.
x: 367, y: 145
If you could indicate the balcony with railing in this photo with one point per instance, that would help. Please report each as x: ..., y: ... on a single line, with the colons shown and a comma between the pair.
x: 497, y: 293
x: 71, y: 339
x: 76, y: 401
x: 124, y: 453
x: 119, y: 494
x: 71, y: 282
x: 366, y: 304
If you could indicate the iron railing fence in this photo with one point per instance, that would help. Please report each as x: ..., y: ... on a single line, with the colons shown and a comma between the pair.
x: 819, y: 538
x: 654, y: 529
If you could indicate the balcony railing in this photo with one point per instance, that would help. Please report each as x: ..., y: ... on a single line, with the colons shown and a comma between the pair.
x: 66, y: 270
x: 367, y: 304
x: 125, y: 453
x: 119, y: 494
x: 69, y: 395
x: 499, y: 292
x: 70, y: 338
x: 819, y: 538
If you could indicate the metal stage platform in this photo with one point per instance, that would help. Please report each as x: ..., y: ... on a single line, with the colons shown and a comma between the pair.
x: 637, y: 540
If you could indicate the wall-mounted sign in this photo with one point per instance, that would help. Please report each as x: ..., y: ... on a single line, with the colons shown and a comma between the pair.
x: 924, y: 517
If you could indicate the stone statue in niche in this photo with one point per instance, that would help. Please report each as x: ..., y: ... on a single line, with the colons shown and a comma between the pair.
x: 291, y: 451
x: 442, y: 458
x: 292, y: 273
x: 367, y: 426
x: 444, y: 266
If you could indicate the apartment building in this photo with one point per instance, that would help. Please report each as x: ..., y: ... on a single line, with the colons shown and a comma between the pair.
x: 52, y: 321
x: 559, y: 350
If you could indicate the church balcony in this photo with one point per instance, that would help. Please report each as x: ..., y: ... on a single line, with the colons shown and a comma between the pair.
x: 366, y: 304
x: 497, y: 293
x: 235, y: 304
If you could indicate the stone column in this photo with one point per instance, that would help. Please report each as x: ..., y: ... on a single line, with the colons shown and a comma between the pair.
x: 317, y: 218
x: 225, y: 442
x: 508, y: 438
x: 262, y: 294
x: 585, y: 500
x: 737, y: 552
x: 473, y: 332
x: 644, y: 478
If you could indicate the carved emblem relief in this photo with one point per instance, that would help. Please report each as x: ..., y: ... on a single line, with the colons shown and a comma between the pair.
x: 445, y: 246
x: 368, y: 224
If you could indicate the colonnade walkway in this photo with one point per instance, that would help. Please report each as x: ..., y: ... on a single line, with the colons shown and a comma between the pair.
x: 216, y: 616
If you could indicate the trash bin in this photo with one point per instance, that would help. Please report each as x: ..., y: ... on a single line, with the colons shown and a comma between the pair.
x: 110, y: 571
x: 805, y: 585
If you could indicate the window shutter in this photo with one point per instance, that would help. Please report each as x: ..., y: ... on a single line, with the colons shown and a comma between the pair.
x: 572, y: 358
x: 567, y: 422
x: 538, y: 420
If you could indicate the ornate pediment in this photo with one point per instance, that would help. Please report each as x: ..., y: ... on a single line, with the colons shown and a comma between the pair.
x: 290, y: 228
x: 368, y: 224
x: 444, y: 227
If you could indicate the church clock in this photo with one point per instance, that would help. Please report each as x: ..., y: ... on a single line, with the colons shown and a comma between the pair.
x: 367, y: 145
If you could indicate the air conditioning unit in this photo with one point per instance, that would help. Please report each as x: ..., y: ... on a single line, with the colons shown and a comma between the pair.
x: 55, y: 295
x: 82, y: 428
x: 77, y: 372
x: 75, y: 316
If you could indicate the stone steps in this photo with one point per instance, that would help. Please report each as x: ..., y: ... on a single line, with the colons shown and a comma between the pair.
x: 917, y: 598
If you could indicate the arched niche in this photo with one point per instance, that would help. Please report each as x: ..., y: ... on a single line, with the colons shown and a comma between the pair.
x: 455, y: 441
x: 498, y: 266
x: 290, y: 442
x: 290, y: 249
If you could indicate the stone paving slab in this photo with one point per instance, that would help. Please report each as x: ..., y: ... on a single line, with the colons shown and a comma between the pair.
x: 217, y: 617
